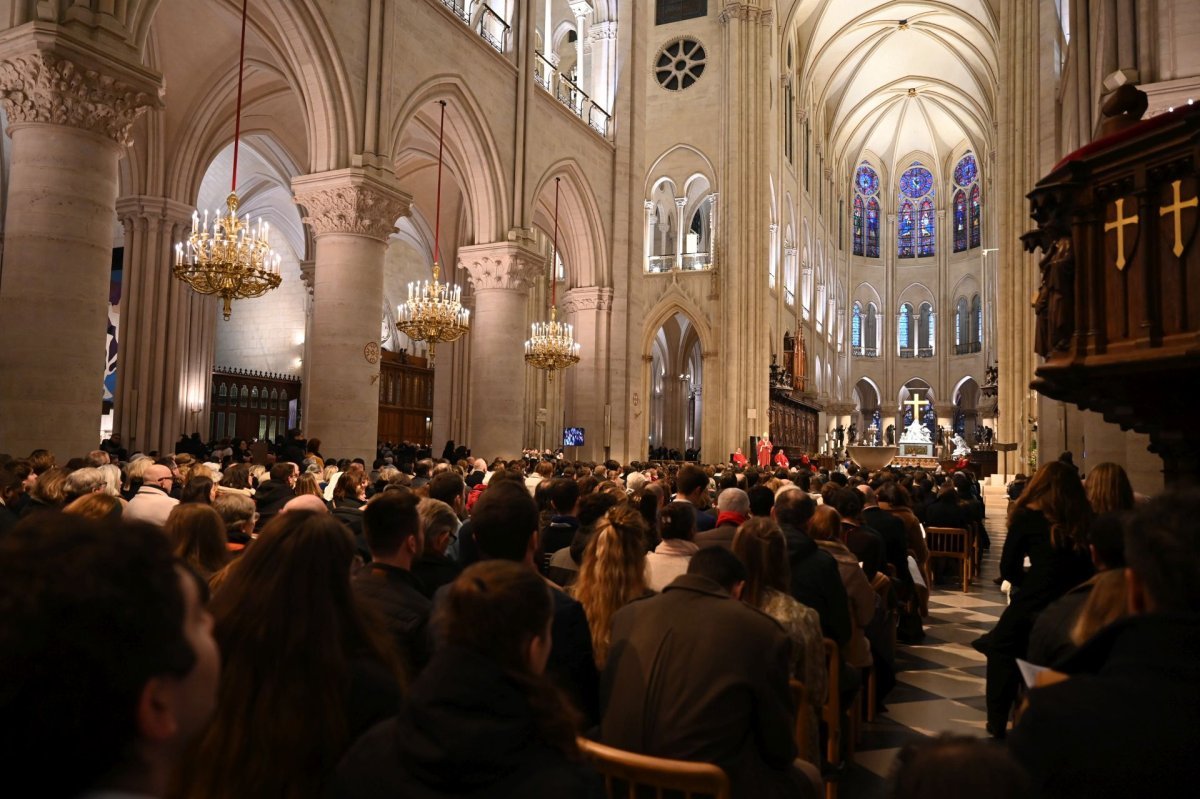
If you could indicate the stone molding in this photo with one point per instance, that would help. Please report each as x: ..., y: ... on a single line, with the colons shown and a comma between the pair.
x: 746, y: 12
x: 308, y: 274
x: 504, y: 265
x: 588, y: 298
x: 39, y: 86
x: 153, y: 209
x: 352, y: 201
x: 599, y: 31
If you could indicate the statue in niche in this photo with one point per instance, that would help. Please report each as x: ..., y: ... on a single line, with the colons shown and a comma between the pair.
x: 1054, y: 303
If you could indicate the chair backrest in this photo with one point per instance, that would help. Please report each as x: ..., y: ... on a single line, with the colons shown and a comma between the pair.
x: 947, y: 542
x: 625, y: 773
x: 800, y: 698
x: 831, y: 712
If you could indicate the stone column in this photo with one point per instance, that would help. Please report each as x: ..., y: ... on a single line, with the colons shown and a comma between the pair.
x: 589, y: 310
x: 501, y: 274
x: 603, y: 37
x: 166, y: 338
x: 69, y: 114
x: 351, y: 212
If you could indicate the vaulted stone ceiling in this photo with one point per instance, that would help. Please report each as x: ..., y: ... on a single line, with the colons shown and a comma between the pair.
x: 898, y: 77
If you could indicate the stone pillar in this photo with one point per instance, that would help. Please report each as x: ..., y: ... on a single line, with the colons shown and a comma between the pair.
x: 580, y: 10
x: 603, y: 37
x: 351, y: 212
x: 589, y: 310
x: 69, y: 114
x: 501, y: 274
x: 166, y: 339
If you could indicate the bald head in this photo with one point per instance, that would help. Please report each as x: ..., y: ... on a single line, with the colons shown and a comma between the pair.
x: 305, y: 502
x: 158, y: 476
x: 869, y: 499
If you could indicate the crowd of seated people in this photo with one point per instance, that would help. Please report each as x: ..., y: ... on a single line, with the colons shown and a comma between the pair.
x: 197, y: 625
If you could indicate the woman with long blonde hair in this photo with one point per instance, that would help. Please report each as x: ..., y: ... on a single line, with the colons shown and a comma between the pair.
x: 613, y: 572
x: 1108, y: 489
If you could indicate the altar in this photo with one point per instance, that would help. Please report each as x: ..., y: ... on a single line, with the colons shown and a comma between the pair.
x: 916, y: 442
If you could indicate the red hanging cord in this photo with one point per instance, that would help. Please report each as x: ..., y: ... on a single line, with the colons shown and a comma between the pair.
x: 437, y: 225
x: 237, y: 125
x: 554, y: 252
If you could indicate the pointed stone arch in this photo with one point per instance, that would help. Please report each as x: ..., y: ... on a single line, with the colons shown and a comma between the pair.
x: 471, y: 152
x: 586, y: 247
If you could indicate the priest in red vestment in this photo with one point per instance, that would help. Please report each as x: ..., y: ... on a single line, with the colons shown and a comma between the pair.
x: 764, y: 452
x: 739, y: 459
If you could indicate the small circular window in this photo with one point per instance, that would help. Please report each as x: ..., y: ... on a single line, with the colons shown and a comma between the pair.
x: 680, y: 64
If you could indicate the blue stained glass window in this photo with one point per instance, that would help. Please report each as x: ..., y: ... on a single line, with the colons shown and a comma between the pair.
x: 925, y: 229
x: 966, y: 171
x: 916, y: 182
x: 976, y: 213
x: 903, y: 328
x: 866, y: 180
x: 858, y: 226
x: 856, y: 326
x: 960, y: 221
x: 872, y: 247
x: 907, y: 225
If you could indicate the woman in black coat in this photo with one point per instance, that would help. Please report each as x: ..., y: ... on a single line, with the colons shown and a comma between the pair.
x: 1048, y: 524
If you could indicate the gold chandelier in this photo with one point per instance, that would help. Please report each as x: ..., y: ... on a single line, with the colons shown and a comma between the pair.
x: 231, y: 258
x: 551, y: 345
x: 434, y: 311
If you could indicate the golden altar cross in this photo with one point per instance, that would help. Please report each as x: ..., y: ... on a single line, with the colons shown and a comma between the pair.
x: 1119, y: 224
x: 1177, y: 211
x: 916, y: 402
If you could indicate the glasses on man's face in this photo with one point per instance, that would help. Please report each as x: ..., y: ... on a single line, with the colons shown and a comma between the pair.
x: 168, y: 479
x: 453, y: 537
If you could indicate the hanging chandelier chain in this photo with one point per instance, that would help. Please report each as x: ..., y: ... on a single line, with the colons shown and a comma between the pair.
x: 237, y: 119
x: 437, y: 225
x: 554, y: 254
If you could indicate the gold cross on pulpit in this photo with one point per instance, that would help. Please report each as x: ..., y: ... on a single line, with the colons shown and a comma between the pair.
x: 1119, y: 224
x: 916, y: 402
x: 1177, y: 210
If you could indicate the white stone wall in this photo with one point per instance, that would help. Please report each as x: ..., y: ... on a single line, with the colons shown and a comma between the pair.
x: 266, y: 333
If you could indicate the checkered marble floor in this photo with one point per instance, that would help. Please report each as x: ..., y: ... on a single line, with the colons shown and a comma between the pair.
x: 939, y: 682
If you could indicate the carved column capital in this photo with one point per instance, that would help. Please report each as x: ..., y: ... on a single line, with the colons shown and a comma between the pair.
x: 162, y: 210
x: 745, y: 12
x: 501, y: 265
x: 589, y: 298
x: 355, y: 201
x: 42, y: 86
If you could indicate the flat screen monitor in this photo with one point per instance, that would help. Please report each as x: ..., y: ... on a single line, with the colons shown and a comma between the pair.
x: 573, y: 437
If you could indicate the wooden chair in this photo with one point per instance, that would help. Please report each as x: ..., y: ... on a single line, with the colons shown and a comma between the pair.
x: 953, y: 543
x: 831, y: 714
x: 627, y: 774
x: 800, y: 698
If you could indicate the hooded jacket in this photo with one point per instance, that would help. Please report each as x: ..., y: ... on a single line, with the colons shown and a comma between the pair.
x: 467, y: 730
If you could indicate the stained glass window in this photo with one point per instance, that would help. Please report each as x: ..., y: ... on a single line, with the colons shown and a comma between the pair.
x: 866, y: 180
x: 960, y: 221
x: 865, y: 213
x: 916, y: 182
x: 907, y: 226
x: 872, y: 249
x: 977, y: 319
x: 856, y: 326
x: 858, y: 226
x: 966, y: 171
x: 902, y: 327
x: 925, y: 227
x: 976, y: 213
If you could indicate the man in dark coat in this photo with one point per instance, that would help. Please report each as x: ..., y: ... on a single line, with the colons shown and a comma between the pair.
x: 275, y: 492
x: 815, y: 578
x: 865, y: 543
x: 890, y: 530
x: 694, y: 674
x: 505, y: 525
x: 691, y: 485
x: 393, y: 529
x: 1125, y: 720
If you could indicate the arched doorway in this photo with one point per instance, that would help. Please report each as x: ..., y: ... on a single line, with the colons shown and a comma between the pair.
x: 676, y: 378
x: 966, y: 410
x: 913, y: 389
x: 867, y: 413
